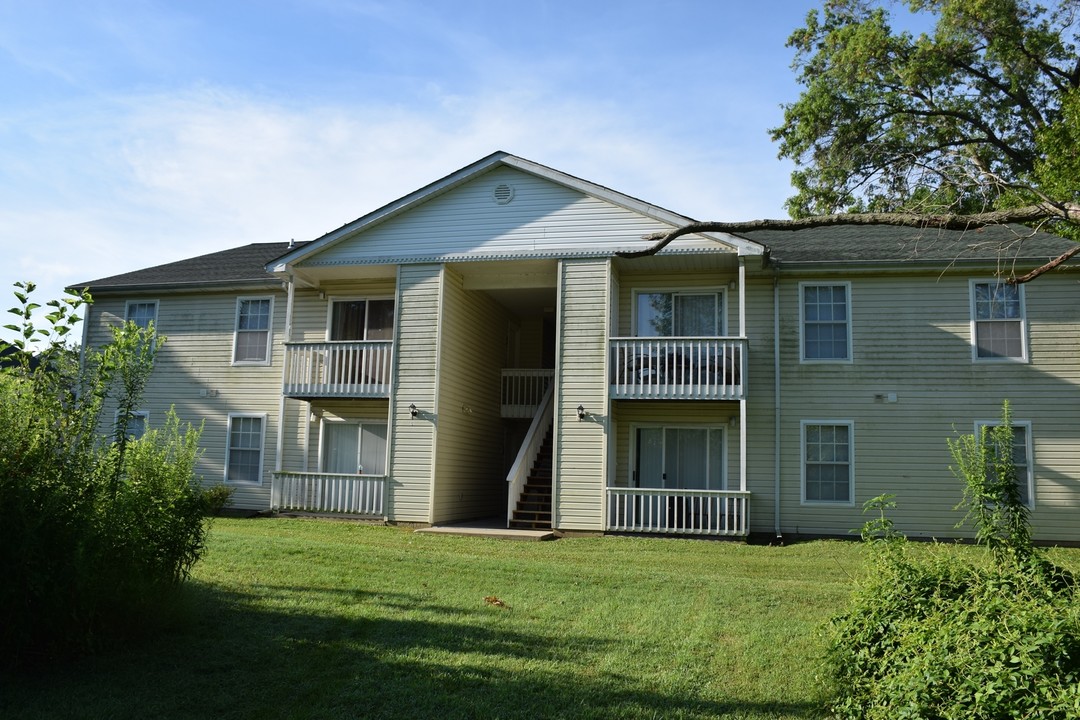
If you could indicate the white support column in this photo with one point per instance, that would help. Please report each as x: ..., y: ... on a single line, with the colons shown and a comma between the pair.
x: 279, y: 453
x: 742, y: 297
x: 742, y: 444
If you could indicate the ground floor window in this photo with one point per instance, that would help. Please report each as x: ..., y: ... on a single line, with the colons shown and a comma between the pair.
x: 354, y: 448
x: 1021, y: 457
x: 245, y: 448
x: 679, y: 458
x: 827, y: 472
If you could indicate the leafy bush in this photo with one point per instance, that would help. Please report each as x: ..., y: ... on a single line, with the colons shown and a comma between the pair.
x: 933, y: 635
x: 99, y: 528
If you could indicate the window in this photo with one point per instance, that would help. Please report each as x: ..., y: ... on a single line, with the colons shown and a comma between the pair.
x: 252, y: 342
x: 243, y: 456
x: 362, y: 320
x: 136, y: 423
x: 997, y: 321
x: 825, y: 322
x: 679, y: 314
x: 141, y: 313
x: 354, y: 448
x: 827, y: 468
x: 1021, y: 457
x: 682, y: 458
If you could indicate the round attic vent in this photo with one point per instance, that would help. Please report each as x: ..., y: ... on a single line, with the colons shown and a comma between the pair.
x: 503, y: 193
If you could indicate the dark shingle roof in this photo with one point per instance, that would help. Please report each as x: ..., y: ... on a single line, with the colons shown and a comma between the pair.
x: 236, y: 266
x: 894, y: 243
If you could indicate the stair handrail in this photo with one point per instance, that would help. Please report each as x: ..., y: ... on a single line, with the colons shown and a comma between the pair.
x: 530, y: 448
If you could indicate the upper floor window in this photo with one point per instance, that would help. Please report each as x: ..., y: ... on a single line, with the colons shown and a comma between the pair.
x: 827, y: 462
x: 997, y: 321
x: 825, y: 322
x: 252, y: 340
x: 142, y: 313
x: 362, y: 320
x: 679, y: 314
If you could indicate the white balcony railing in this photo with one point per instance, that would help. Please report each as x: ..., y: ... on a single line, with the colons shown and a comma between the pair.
x: 523, y: 390
x: 678, y: 368
x: 681, y: 512
x: 329, y: 492
x: 338, y: 369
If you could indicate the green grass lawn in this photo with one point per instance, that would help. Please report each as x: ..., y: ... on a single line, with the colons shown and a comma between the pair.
x: 291, y: 618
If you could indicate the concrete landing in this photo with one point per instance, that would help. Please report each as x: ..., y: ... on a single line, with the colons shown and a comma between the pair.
x: 490, y: 532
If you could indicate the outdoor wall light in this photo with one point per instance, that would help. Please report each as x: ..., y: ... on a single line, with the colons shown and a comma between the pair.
x: 412, y: 410
x: 581, y: 412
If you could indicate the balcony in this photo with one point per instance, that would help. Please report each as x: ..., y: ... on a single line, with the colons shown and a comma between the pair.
x: 678, y: 368
x: 329, y: 492
x: 354, y: 369
x: 678, y: 512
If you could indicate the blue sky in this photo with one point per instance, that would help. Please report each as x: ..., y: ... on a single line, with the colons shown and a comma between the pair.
x: 134, y: 133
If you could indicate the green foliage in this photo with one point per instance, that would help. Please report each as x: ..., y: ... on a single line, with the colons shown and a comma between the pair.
x: 984, y: 464
x: 932, y: 635
x: 98, y: 529
x: 975, y: 114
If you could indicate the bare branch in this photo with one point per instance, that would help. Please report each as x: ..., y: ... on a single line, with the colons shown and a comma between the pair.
x: 1027, y: 214
x: 1047, y: 267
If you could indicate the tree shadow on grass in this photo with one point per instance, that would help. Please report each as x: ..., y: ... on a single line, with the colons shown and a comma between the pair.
x: 270, y: 654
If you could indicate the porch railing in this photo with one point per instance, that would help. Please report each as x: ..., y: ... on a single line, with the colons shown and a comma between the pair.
x: 338, y: 369
x: 523, y: 390
x: 329, y: 492
x: 682, y: 512
x: 678, y: 368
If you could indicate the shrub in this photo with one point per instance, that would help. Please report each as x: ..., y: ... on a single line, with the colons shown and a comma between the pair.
x: 933, y: 635
x: 99, y: 528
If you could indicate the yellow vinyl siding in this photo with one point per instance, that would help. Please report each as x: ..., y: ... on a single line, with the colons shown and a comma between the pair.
x: 412, y: 449
x: 468, y: 461
x: 911, y: 337
x: 581, y: 445
x: 194, y: 373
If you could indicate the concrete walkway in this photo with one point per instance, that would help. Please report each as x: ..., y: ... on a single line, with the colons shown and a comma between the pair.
x: 475, y: 530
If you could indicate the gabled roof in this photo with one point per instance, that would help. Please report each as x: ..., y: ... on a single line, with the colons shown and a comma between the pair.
x: 847, y: 244
x: 481, y: 167
x: 244, y: 265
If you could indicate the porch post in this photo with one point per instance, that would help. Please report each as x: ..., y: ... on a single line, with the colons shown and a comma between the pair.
x: 742, y: 444
x: 742, y: 297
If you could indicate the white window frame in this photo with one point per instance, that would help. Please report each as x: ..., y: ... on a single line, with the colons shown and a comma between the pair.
x: 355, y: 298
x: 724, y: 458
x: 358, y: 423
x: 128, y: 305
x: 721, y: 330
x: 850, y: 424
x: 144, y: 414
x: 1022, y: 320
x: 262, y: 447
x: 269, y: 330
x: 1026, y: 425
x: 846, y: 284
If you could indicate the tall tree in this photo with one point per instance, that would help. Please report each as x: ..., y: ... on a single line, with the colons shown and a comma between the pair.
x: 972, y: 124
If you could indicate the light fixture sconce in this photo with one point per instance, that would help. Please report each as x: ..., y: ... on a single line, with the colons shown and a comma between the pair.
x: 412, y: 410
x: 733, y: 420
x: 581, y: 412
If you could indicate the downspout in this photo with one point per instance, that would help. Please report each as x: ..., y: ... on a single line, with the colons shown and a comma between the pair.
x: 776, y: 398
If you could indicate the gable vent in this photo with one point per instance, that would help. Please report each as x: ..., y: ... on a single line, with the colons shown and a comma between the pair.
x: 503, y: 193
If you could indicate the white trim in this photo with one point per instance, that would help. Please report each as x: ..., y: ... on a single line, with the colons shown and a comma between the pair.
x: 1028, y: 448
x: 129, y: 303
x: 269, y: 330
x: 722, y: 311
x: 850, y: 424
x: 846, y: 284
x: 262, y: 447
x: 725, y: 458
x: 1024, y: 356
